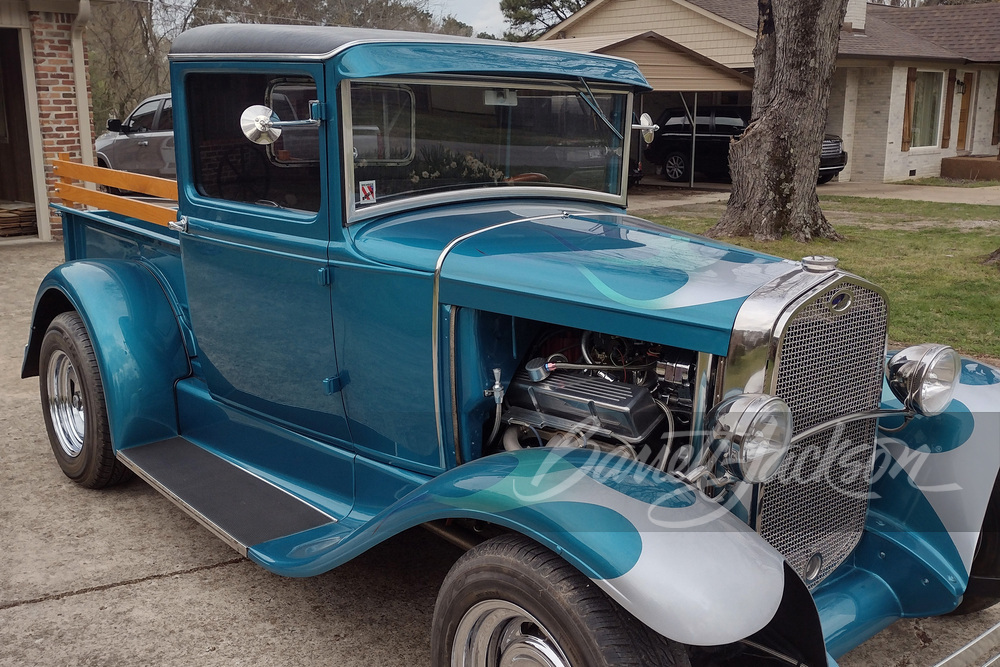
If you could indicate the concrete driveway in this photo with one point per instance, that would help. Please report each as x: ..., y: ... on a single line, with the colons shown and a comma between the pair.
x: 122, y: 577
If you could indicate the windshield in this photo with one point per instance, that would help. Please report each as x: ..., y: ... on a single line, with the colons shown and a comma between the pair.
x: 408, y: 139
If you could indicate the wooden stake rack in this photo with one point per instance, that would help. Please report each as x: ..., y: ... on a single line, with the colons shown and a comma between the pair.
x: 70, y: 193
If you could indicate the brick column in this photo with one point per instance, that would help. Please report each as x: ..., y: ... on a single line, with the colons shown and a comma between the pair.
x: 52, y: 50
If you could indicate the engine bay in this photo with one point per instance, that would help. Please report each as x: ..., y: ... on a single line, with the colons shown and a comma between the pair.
x: 593, y: 390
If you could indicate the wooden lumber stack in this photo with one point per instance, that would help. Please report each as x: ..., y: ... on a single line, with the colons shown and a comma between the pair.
x: 17, y: 220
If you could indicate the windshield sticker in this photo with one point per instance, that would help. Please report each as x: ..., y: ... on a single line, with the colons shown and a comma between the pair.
x: 367, y: 192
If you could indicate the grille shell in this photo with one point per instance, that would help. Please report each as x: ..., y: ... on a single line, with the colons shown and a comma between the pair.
x: 829, y: 364
x: 831, y: 148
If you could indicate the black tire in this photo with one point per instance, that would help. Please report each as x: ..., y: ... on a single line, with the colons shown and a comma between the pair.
x: 107, y: 188
x: 675, y: 167
x: 536, y: 602
x: 76, y: 417
x: 824, y: 178
x: 986, y: 563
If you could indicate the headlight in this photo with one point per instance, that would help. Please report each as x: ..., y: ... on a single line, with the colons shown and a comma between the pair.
x: 751, y: 433
x: 924, y: 377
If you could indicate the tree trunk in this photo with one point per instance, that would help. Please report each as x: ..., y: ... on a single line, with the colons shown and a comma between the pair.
x: 775, y: 163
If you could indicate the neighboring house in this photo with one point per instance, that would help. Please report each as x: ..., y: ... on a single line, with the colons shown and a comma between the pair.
x: 44, y: 104
x: 913, y: 87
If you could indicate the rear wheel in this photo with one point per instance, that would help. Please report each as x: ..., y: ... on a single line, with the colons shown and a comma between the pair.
x: 107, y: 188
x: 73, y: 405
x: 511, y: 601
x: 675, y: 167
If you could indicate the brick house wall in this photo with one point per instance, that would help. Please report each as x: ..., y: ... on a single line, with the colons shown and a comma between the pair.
x: 51, y: 112
x: 58, y: 117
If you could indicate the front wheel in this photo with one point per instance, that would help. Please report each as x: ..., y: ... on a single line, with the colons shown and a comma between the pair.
x: 675, y: 167
x: 73, y: 405
x: 511, y: 601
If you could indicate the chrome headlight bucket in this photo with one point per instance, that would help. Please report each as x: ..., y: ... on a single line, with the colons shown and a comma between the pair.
x: 750, y: 434
x: 924, y: 377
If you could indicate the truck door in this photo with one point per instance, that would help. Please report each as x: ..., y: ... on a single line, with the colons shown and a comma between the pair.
x: 255, y: 250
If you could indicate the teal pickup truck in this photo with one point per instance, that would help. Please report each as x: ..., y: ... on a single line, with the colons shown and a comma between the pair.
x: 401, y: 288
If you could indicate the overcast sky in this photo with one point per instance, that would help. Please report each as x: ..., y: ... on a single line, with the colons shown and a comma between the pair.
x: 482, y: 15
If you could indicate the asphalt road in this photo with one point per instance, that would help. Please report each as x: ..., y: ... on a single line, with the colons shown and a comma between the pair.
x: 122, y: 577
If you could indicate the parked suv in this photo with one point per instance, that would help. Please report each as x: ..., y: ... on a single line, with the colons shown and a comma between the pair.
x: 143, y: 142
x: 716, y: 127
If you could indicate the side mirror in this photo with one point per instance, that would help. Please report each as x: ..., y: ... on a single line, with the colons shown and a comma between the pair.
x: 257, y: 123
x: 261, y: 125
x: 646, y: 126
x: 114, y: 125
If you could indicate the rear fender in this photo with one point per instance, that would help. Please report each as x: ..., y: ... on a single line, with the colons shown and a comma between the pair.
x: 135, y: 335
x: 678, y: 561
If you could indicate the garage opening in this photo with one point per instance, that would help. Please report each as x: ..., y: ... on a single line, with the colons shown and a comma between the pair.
x: 17, y: 208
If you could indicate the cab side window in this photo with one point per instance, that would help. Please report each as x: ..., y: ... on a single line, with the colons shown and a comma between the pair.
x: 165, y: 123
x: 284, y: 175
x: 141, y: 119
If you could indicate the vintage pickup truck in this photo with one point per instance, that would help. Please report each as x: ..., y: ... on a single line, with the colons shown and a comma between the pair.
x: 401, y: 288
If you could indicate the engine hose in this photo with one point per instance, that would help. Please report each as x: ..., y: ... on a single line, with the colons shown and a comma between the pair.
x: 510, y: 440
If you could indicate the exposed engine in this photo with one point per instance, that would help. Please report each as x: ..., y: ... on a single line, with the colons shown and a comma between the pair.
x: 587, y: 389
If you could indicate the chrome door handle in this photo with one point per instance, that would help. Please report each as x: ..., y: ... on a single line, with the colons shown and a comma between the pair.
x: 178, y: 225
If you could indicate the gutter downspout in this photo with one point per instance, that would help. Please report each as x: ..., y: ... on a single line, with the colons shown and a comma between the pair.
x: 80, y: 84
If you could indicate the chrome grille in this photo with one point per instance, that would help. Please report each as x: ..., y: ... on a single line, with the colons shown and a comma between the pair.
x: 829, y: 365
x: 831, y: 148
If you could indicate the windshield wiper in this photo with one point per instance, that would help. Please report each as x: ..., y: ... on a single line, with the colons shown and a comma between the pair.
x: 592, y: 103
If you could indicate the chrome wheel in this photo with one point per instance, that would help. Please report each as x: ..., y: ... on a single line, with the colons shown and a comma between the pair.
x: 497, y: 633
x: 674, y: 167
x: 66, y: 403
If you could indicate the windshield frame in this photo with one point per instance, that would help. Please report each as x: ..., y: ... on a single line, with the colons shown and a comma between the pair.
x: 509, y: 190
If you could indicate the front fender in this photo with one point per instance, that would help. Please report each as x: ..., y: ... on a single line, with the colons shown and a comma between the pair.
x: 951, y: 462
x: 136, y: 339
x: 676, y: 560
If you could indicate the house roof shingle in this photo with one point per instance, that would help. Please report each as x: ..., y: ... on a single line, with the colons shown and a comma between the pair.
x: 952, y: 32
x: 972, y: 31
x: 882, y: 39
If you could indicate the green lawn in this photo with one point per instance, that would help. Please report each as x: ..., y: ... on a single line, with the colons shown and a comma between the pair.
x: 926, y: 256
x: 949, y: 182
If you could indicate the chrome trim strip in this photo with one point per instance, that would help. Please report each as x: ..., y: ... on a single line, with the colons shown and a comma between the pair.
x: 846, y: 419
x: 699, y: 401
x: 452, y: 323
x: 436, y: 306
x: 753, y: 344
x: 176, y: 500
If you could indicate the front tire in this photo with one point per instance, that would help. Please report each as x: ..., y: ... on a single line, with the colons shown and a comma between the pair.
x: 512, y: 601
x: 73, y: 406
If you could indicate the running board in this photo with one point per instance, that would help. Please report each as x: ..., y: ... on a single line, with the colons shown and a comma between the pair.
x: 240, y: 508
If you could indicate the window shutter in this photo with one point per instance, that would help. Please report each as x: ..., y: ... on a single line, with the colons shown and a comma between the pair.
x: 996, y: 123
x: 911, y: 82
x: 949, y: 102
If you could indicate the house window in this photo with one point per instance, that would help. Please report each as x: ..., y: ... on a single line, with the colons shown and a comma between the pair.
x: 926, y: 108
